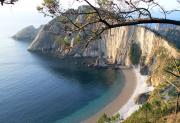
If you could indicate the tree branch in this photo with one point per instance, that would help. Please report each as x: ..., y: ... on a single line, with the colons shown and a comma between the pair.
x: 146, y: 20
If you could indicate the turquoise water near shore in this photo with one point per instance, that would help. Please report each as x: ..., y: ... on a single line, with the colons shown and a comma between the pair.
x: 37, y: 88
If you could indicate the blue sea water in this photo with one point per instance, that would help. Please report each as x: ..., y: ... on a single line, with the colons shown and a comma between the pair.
x: 37, y: 88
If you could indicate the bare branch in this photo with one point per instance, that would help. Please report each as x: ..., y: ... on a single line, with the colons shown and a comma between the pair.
x: 8, y: 1
x: 108, y: 15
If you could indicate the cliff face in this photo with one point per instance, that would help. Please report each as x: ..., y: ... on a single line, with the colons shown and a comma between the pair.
x: 116, y: 44
x: 54, y: 36
x: 46, y: 37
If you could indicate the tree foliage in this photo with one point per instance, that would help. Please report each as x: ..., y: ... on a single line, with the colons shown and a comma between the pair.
x: 107, y: 14
x: 7, y: 1
x: 106, y: 119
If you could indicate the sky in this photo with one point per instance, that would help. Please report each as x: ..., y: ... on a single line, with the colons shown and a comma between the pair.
x: 24, y: 13
x: 169, y: 4
x: 24, y: 10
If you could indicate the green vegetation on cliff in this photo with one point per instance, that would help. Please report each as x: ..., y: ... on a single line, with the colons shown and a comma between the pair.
x: 135, y: 53
x: 62, y: 41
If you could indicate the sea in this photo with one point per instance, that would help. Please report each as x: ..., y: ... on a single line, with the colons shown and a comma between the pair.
x: 41, y: 88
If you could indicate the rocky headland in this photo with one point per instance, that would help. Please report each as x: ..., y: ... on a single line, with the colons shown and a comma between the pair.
x: 27, y: 33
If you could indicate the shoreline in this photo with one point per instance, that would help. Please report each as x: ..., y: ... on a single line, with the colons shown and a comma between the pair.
x: 141, y: 87
x: 121, y: 100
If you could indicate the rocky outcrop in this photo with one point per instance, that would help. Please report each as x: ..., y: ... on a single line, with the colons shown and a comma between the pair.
x: 144, y: 70
x: 142, y: 98
x: 114, y: 46
x: 55, y: 37
x: 123, y: 46
x: 27, y: 33
x: 47, y: 37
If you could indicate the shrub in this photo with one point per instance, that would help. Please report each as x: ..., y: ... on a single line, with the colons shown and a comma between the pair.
x: 66, y: 42
x: 78, y: 38
x: 103, y: 119
x: 135, y: 54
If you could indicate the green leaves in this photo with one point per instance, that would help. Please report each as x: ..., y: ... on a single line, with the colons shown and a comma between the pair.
x: 104, y: 2
x: 106, y: 119
x: 103, y: 119
x: 78, y: 38
x: 50, y: 2
x: 39, y: 8
x: 66, y: 41
x: 49, y: 7
x: 147, y: 107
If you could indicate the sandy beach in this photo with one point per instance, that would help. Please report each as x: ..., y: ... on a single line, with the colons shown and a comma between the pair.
x: 141, y: 87
x: 122, y: 98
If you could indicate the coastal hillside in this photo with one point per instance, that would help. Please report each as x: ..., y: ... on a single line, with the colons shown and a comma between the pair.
x: 114, y: 46
x: 54, y: 37
x: 49, y: 38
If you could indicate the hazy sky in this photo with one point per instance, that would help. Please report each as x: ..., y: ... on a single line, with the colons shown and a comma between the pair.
x: 24, y: 13
x: 20, y: 15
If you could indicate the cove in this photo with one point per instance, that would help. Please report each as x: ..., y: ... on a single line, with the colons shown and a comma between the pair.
x: 37, y: 88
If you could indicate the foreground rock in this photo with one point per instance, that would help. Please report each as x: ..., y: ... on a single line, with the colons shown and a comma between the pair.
x: 142, y: 98
x: 144, y: 70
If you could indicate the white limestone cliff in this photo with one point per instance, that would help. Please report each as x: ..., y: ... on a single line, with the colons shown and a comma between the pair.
x: 116, y: 43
